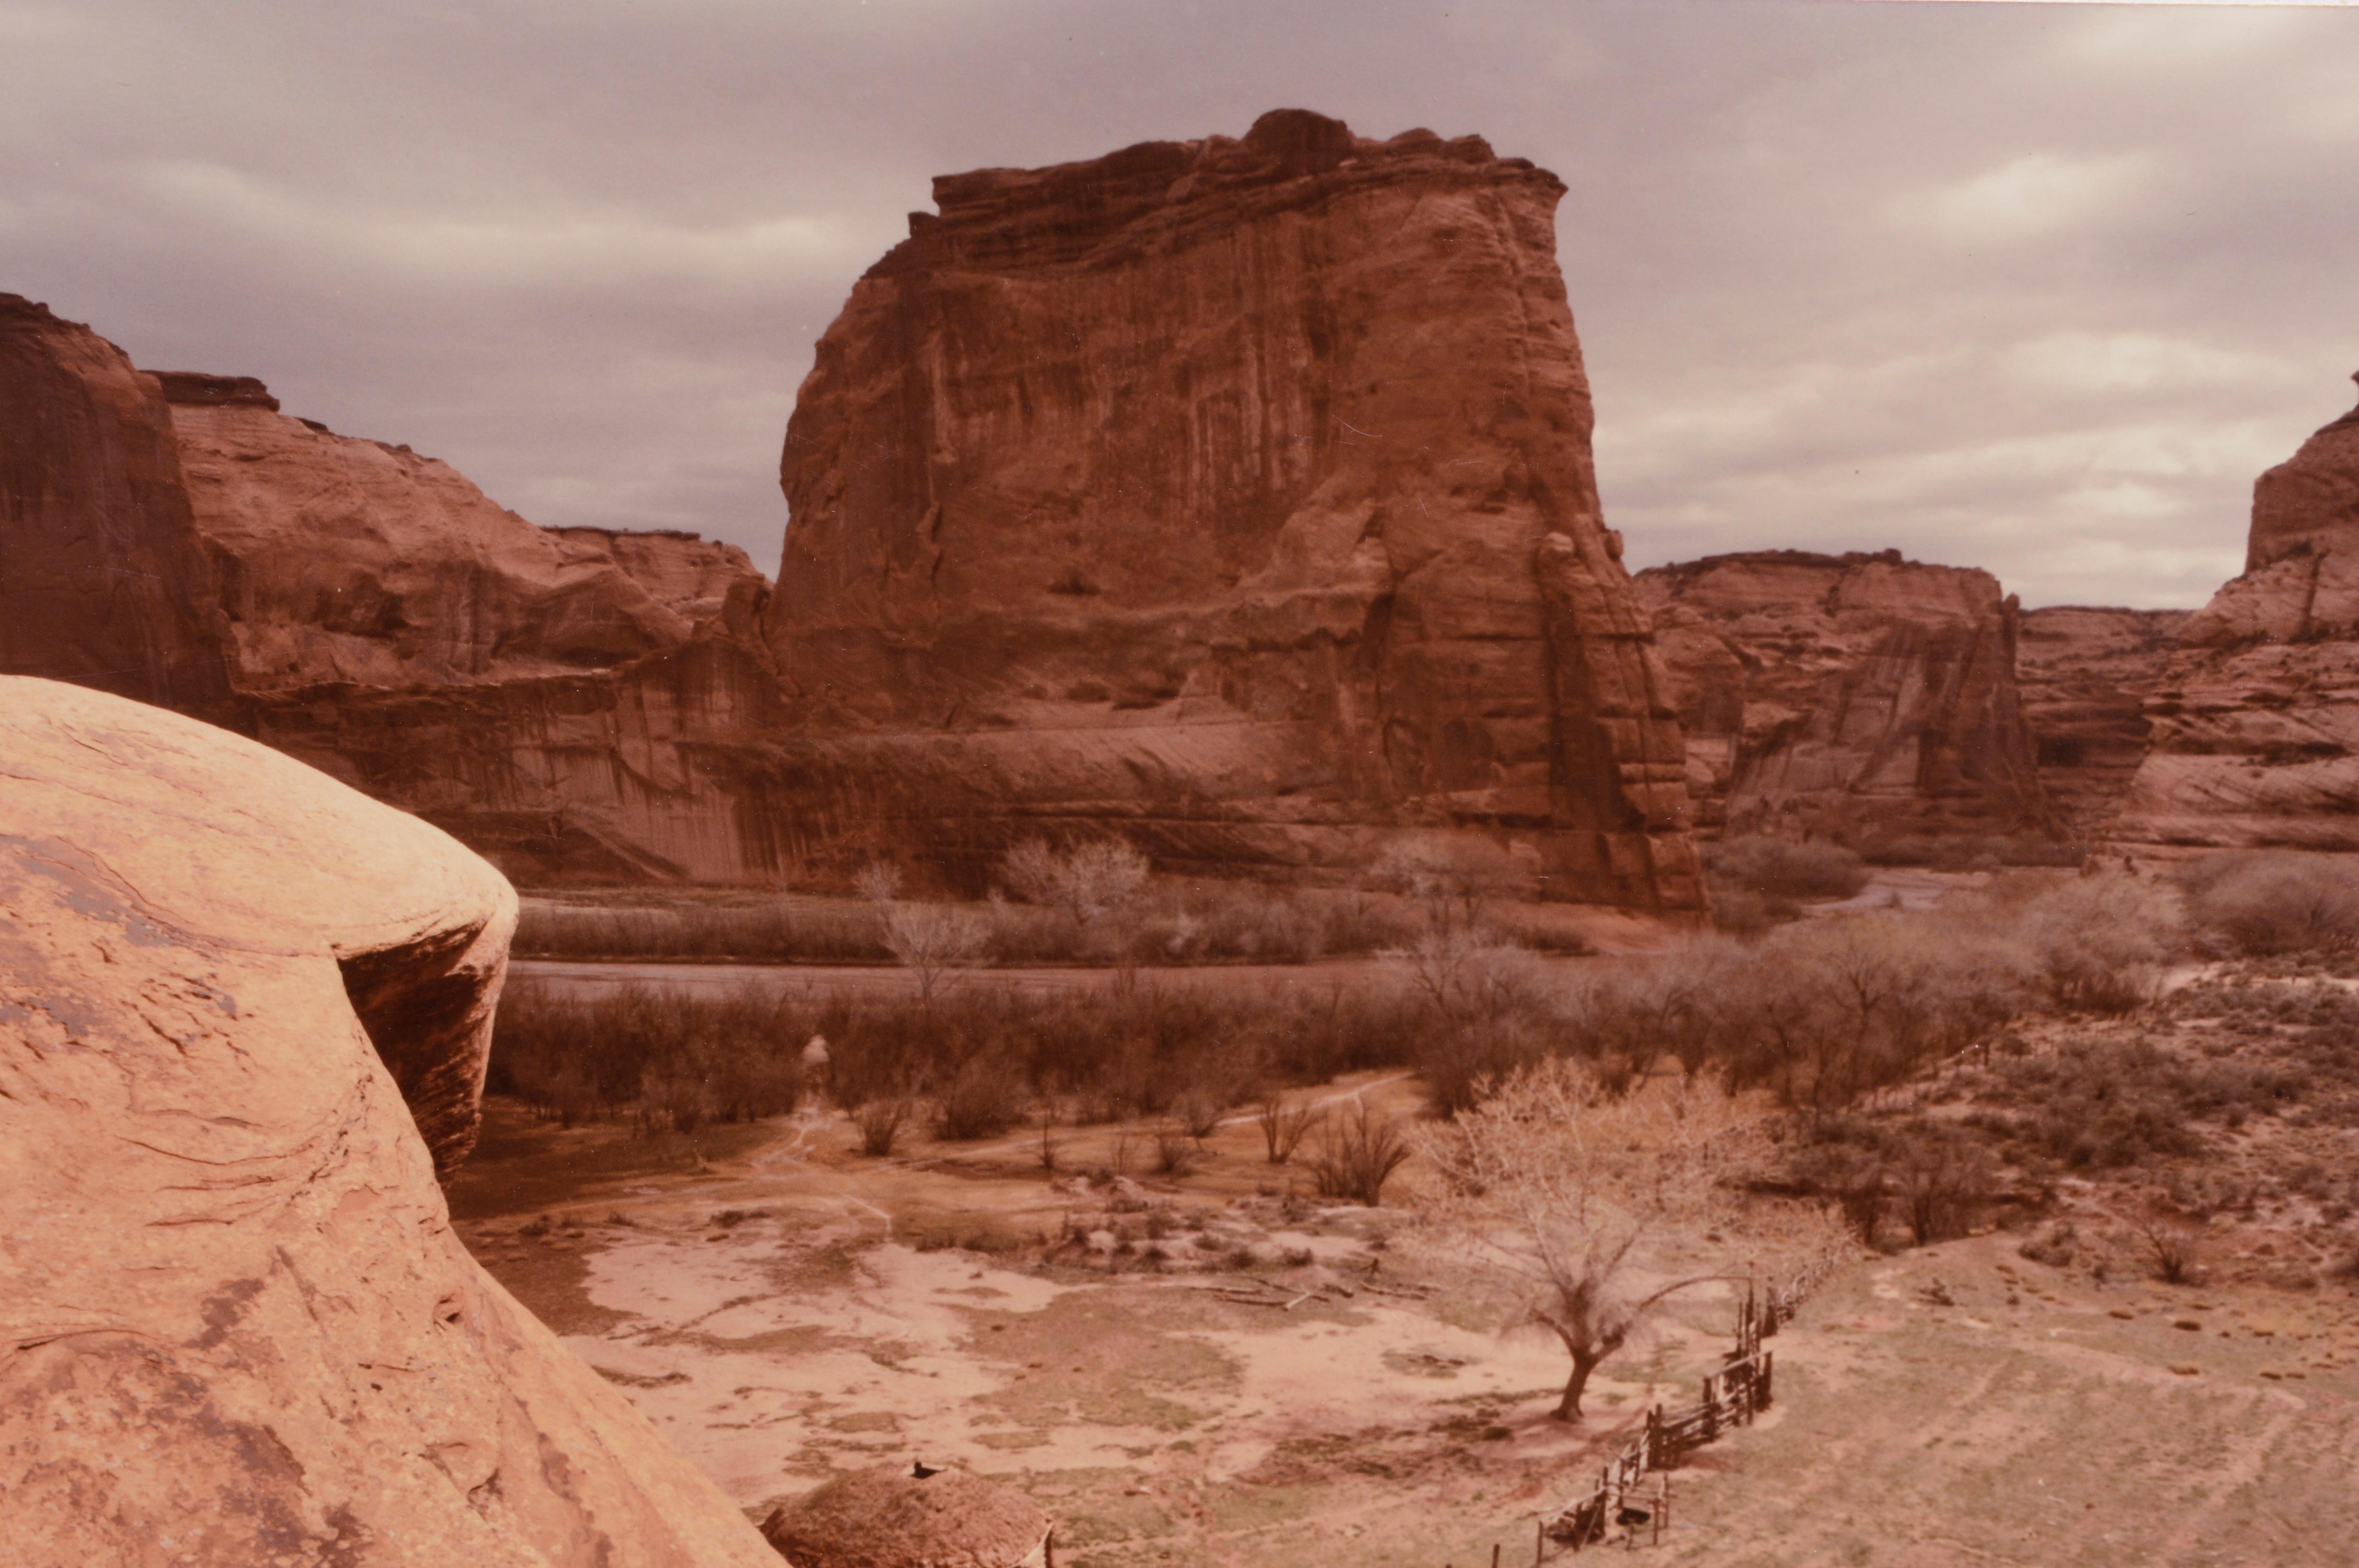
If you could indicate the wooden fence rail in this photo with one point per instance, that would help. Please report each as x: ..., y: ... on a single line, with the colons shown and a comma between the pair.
x: 1731, y: 1396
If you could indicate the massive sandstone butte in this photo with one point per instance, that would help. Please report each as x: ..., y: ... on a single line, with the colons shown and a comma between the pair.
x: 1234, y: 495
x: 235, y: 1326
x: 2256, y: 718
x: 345, y: 560
x: 103, y: 580
x: 2083, y: 673
x: 1862, y: 698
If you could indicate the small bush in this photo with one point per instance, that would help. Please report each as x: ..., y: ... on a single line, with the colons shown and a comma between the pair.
x: 1176, y: 1153
x: 1284, y: 1126
x: 983, y: 1101
x: 880, y: 1122
x: 1358, y: 1152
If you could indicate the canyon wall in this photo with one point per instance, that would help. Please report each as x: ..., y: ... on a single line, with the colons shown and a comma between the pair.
x: 241, y: 1008
x: 1862, y: 698
x: 102, y: 579
x: 1234, y: 495
x: 2083, y: 673
x: 2255, y: 717
x: 346, y: 560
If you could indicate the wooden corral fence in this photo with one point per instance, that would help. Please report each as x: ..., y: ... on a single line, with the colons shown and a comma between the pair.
x: 1731, y: 1396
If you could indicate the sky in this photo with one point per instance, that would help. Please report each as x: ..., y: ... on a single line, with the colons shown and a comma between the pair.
x: 2033, y: 288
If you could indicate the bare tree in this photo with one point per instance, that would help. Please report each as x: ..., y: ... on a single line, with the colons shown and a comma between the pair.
x: 878, y: 881
x: 932, y: 941
x: 1088, y: 881
x: 1564, y: 1187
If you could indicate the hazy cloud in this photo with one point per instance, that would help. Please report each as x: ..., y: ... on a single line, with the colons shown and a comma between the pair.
x: 2040, y: 288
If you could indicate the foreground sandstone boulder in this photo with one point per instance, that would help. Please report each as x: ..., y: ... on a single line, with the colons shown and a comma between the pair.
x: 1236, y: 495
x: 2256, y: 718
x: 236, y: 1327
x: 1862, y: 698
x: 103, y: 580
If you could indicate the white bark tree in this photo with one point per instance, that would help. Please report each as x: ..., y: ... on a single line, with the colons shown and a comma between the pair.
x: 1569, y: 1190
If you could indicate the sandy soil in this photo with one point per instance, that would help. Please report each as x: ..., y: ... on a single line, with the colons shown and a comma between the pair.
x: 1962, y: 1406
x: 789, y: 1311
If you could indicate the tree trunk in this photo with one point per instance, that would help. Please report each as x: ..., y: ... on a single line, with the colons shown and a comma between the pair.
x: 1569, y: 1408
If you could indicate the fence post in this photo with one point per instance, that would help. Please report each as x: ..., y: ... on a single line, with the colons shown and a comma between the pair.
x: 1764, y: 1379
x: 1710, y: 1413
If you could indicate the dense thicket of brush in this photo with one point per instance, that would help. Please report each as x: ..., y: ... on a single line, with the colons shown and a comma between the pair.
x: 979, y: 1056
x: 671, y: 1059
x: 1209, y: 922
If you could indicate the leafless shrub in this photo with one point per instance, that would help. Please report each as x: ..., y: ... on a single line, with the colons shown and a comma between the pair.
x: 2170, y: 1245
x: 1284, y: 1126
x: 1943, y: 1180
x: 2276, y: 901
x: 982, y: 1100
x: 1358, y: 1152
x: 1175, y: 1152
x: 1086, y: 881
x: 2100, y: 944
x: 878, y: 881
x: 1783, y: 868
x: 880, y: 1122
x: 1199, y: 1111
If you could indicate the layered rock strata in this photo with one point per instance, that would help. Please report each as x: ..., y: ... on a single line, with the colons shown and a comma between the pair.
x: 345, y: 560
x: 1235, y: 495
x: 2255, y: 717
x: 2083, y: 673
x: 102, y: 579
x: 235, y: 1326
x: 1862, y: 698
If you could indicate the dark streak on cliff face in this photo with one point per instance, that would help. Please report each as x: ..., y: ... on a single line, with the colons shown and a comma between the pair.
x: 1235, y: 494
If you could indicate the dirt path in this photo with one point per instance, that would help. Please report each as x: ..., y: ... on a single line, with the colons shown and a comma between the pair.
x: 2047, y: 1431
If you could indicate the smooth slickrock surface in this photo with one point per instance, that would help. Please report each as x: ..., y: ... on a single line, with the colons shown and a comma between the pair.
x: 1236, y: 494
x: 348, y: 560
x: 1856, y: 696
x: 2083, y: 673
x: 2256, y: 718
x: 103, y: 580
x: 236, y: 1327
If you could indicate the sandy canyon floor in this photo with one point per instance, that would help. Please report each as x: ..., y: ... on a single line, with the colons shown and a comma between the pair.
x: 785, y: 1308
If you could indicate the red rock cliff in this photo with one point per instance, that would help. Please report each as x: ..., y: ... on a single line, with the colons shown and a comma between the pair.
x: 1235, y: 494
x: 1862, y: 698
x: 2256, y: 718
x: 349, y: 560
x: 103, y: 580
x: 2083, y: 675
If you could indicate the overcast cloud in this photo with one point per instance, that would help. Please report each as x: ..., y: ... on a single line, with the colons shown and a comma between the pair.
x: 2036, y: 288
